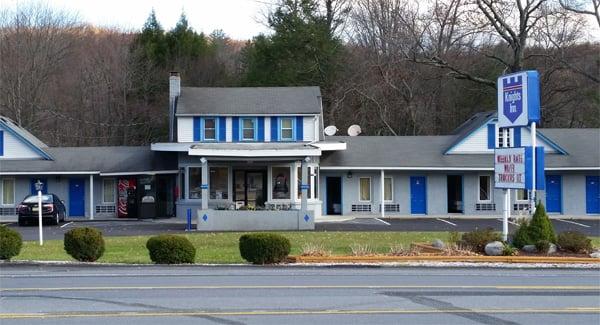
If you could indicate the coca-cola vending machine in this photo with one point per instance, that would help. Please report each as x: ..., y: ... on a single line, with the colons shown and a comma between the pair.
x: 127, y: 206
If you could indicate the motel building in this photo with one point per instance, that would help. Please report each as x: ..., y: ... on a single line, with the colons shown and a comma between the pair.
x: 258, y: 159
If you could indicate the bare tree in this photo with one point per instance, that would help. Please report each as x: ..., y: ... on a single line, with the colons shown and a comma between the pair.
x: 591, y: 7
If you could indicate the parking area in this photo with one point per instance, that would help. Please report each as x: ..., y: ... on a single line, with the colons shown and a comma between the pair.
x: 153, y: 227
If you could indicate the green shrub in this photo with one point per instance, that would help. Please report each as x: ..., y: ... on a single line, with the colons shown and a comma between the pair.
x: 264, y: 248
x: 10, y: 243
x: 84, y: 244
x: 542, y: 246
x: 537, y: 229
x: 574, y: 241
x: 171, y: 249
x: 453, y: 237
x: 478, y: 238
x: 509, y: 250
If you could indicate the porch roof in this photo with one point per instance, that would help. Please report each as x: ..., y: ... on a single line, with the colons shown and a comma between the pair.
x: 262, y: 149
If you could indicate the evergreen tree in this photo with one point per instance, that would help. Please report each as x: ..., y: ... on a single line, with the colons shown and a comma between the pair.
x: 152, y: 41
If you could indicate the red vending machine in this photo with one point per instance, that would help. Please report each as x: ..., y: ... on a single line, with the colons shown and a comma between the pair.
x: 127, y: 206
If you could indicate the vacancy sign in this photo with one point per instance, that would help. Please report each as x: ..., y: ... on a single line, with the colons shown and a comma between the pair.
x: 509, y: 167
x: 518, y: 99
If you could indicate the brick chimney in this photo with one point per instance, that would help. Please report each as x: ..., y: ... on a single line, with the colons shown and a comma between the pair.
x: 174, y: 91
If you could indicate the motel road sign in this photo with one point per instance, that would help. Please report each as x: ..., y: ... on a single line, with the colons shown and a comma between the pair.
x: 518, y: 99
x: 509, y: 167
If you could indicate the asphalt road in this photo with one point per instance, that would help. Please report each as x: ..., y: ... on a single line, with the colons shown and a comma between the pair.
x: 296, y: 295
x: 150, y: 227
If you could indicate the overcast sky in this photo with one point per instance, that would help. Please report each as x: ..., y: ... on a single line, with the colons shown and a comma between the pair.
x: 240, y: 19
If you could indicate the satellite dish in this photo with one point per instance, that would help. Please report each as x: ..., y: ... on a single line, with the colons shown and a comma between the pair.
x: 331, y: 130
x: 354, y: 130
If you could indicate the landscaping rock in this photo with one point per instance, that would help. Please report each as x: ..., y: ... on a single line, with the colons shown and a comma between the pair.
x: 437, y: 243
x: 552, y: 249
x: 494, y: 248
x: 595, y: 254
x: 529, y: 249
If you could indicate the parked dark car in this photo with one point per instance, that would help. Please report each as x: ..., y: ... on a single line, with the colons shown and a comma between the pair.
x: 53, y: 209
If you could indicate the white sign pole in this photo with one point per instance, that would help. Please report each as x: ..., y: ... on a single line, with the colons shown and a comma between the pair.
x: 40, y: 217
x: 506, y: 195
x: 534, y: 172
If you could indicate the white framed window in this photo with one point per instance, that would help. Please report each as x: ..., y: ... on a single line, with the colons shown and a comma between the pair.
x: 219, y: 183
x: 364, y: 189
x: 522, y: 195
x: 388, y: 189
x: 485, y: 189
x: 287, y: 129
x: 8, y: 191
x: 194, y: 183
x: 500, y: 138
x: 108, y: 190
x: 210, y: 129
x: 248, y: 129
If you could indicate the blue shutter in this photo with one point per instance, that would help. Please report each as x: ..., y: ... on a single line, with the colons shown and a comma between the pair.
x: 235, y: 129
x: 222, y: 128
x: 261, y: 129
x: 517, y: 136
x: 1, y: 143
x: 274, y: 129
x: 491, y: 136
x: 299, y: 128
x: 197, y: 128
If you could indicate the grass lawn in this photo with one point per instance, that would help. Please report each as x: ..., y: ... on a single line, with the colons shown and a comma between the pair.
x: 223, y: 247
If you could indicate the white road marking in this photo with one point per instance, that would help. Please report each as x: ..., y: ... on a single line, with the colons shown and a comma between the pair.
x: 446, y: 221
x: 575, y: 223
x: 511, y: 222
x: 384, y: 222
x: 66, y: 224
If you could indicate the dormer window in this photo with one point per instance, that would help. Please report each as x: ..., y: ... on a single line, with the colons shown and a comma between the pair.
x: 287, y: 129
x: 248, y: 129
x: 500, y: 139
x: 210, y: 129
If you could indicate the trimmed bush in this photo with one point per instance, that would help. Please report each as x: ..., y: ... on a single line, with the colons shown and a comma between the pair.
x: 539, y: 228
x: 10, y: 243
x: 542, y: 246
x: 264, y: 248
x: 478, y: 238
x: 574, y: 241
x: 171, y: 249
x: 509, y: 250
x: 84, y: 244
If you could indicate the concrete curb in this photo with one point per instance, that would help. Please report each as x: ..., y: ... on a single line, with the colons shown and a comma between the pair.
x: 459, y: 259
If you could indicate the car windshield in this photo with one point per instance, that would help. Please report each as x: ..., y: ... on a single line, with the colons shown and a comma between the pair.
x: 33, y: 199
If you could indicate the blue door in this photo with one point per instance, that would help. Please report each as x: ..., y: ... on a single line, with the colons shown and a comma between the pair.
x: 418, y: 195
x: 592, y: 194
x: 553, y: 193
x: 76, y: 197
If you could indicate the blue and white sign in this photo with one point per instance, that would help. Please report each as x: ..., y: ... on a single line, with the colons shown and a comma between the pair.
x: 518, y: 99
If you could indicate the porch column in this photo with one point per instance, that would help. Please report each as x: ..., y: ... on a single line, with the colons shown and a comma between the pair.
x: 92, y: 197
x: 204, y: 185
x: 304, y: 185
x: 382, y: 194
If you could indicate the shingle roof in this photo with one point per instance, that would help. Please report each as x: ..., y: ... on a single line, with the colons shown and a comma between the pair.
x: 96, y: 159
x: 249, y: 100
x: 583, y: 146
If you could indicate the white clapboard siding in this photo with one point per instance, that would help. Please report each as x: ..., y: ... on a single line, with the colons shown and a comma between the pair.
x: 185, y: 129
x: 15, y: 148
x: 267, y: 129
x: 228, y: 129
x: 309, y: 128
x: 526, y: 141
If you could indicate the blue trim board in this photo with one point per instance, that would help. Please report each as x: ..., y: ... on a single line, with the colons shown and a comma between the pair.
x: 235, y: 129
x: 299, y: 128
x: 517, y: 136
x: 25, y: 141
x: 222, y: 128
x: 197, y: 129
x: 491, y: 136
x: 260, y: 129
x: 1, y: 143
x: 274, y: 128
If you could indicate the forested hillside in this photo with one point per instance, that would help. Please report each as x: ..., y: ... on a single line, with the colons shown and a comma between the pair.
x: 395, y: 67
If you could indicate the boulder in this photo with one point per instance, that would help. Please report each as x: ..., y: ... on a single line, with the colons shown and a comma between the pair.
x: 529, y: 249
x: 437, y: 243
x: 494, y: 248
x: 552, y: 249
x: 595, y: 254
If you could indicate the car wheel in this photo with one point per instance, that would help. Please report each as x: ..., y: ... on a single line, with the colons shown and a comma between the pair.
x: 56, y: 220
x: 22, y: 222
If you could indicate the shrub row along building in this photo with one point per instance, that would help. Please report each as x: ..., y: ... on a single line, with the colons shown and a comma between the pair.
x: 257, y: 158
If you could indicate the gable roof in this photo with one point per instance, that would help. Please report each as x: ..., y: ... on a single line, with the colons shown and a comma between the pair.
x: 249, y: 101
x: 24, y: 136
x: 121, y: 159
x: 427, y: 152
